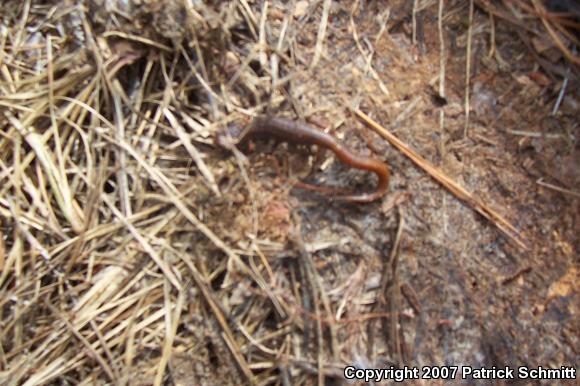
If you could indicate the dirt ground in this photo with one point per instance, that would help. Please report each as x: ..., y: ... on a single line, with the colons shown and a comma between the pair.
x: 267, y: 283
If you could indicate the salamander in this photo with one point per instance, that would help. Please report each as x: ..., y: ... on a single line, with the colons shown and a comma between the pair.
x: 300, y: 133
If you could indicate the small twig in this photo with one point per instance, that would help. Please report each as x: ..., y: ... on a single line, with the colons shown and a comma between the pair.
x: 557, y: 188
x: 321, y: 33
x: 171, y: 324
x: 536, y: 134
x: 389, y: 294
x: 262, y: 36
x: 457, y: 190
x: 514, y: 276
x: 442, y: 61
x: 414, y: 22
x: 567, y: 53
x: 274, y: 58
x: 122, y: 178
x: 140, y: 39
x: 468, y: 67
x: 491, y: 35
x: 442, y: 51
x: 562, y: 91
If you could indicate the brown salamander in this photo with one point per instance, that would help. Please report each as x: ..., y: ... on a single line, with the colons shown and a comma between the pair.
x: 300, y: 133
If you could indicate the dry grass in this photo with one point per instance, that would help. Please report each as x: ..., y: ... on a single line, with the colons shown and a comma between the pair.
x: 133, y: 250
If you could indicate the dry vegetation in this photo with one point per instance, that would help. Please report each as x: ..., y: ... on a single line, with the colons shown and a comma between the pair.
x: 134, y: 250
